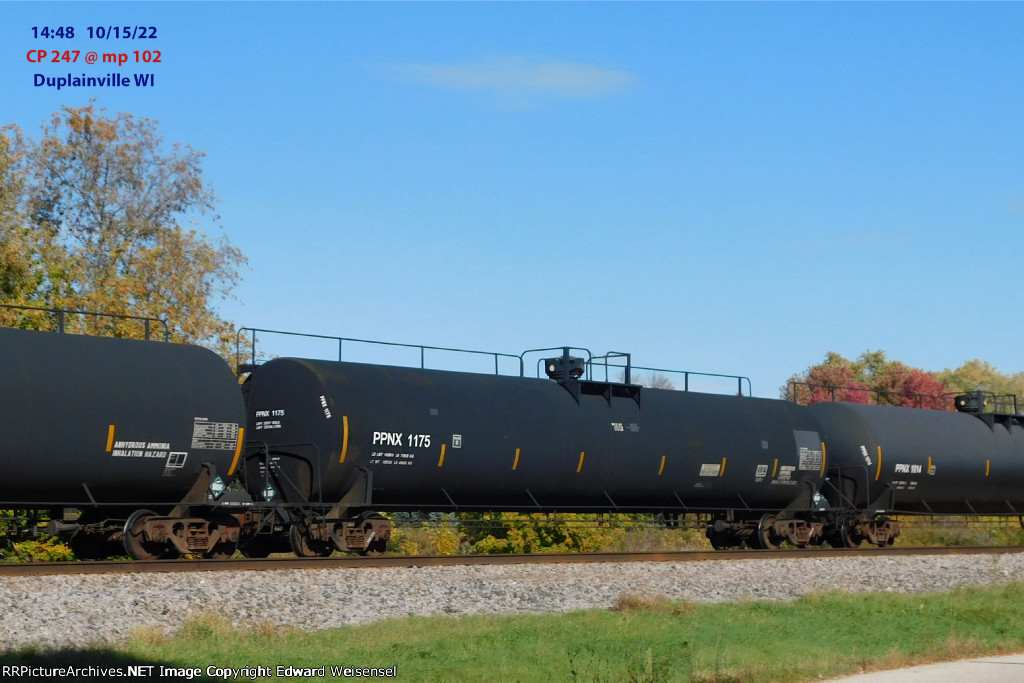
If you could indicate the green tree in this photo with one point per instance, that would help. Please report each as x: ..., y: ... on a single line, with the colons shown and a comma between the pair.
x: 106, y: 214
x: 977, y: 375
x: 17, y: 281
x: 869, y: 366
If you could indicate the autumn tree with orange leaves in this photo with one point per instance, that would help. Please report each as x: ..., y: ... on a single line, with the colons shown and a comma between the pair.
x: 870, y: 379
x: 100, y: 215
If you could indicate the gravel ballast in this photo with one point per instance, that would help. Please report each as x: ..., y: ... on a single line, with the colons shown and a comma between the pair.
x: 83, y: 610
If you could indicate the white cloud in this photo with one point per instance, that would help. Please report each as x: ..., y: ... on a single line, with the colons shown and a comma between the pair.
x: 519, y: 78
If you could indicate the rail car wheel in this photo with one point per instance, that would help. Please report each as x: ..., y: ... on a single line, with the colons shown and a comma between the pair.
x: 304, y: 545
x: 378, y: 546
x: 135, y: 542
x: 766, y: 538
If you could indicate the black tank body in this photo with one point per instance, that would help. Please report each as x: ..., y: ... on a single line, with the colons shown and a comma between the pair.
x: 437, y: 439
x: 111, y: 421
x: 927, y: 461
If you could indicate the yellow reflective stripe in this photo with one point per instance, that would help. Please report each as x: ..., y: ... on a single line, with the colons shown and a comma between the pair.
x: 662, y: 468
x: 775, y: 467
x: 721, y: 472
x: 823, y: 458
x: 988, y: 467
x: 929, y: 465
x: 110, y: 438
x: 344, y: 437
x: 580, y: 466
x: 238, y: 450
x: 441, y: 461
x: 515, y: 463
x: 878, y: 473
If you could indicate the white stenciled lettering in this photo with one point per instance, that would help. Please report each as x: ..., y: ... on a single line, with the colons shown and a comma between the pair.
x: 387, y: 438
x: 391, y: 458
x: 419, y: 441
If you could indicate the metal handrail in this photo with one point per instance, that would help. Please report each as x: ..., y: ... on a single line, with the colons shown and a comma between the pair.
x: 740, y: 379
x: 341, y: 341
x: 627, y: 374
x: 591, y: 361
x: 62, y: 312
x: 628, y: 367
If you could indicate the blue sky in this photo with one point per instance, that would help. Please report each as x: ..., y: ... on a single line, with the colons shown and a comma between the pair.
x: 730, y: 187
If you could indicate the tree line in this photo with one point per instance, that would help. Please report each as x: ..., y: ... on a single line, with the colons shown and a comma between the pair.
x: 873, y: 378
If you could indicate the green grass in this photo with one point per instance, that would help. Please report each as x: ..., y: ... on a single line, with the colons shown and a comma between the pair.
x: 645, y: 639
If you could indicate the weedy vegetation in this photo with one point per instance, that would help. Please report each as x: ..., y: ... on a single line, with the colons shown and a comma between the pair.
x: 641, y: 639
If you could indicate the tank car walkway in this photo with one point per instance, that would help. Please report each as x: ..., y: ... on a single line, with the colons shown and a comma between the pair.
x: 1009, y: 669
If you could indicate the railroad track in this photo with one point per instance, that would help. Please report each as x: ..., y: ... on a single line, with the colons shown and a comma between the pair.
x: 404, y: 561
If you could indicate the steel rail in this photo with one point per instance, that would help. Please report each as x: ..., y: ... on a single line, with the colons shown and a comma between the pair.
x: 405, y: 561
